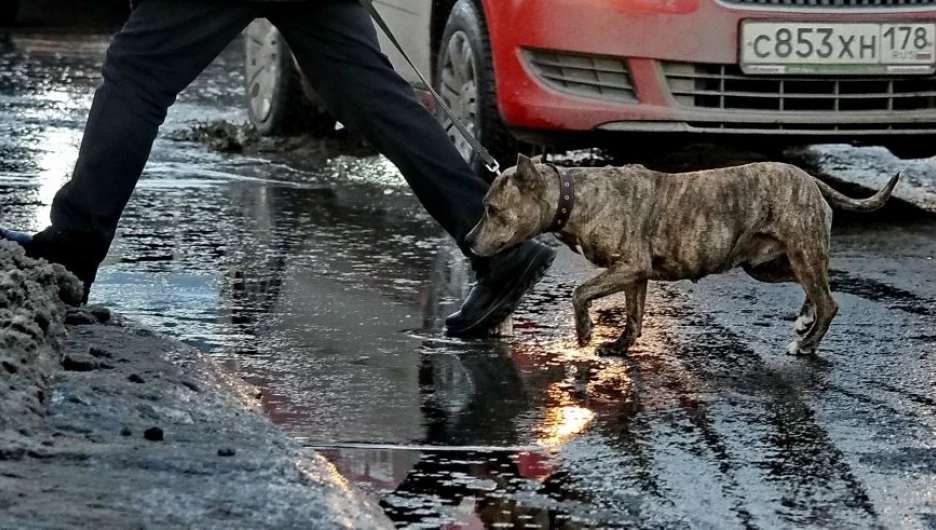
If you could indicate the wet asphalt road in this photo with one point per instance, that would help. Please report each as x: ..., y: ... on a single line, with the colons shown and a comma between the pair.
x: 326, y: 284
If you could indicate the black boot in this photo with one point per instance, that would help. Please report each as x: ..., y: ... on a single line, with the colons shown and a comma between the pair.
x: 503, y: 281
x: 78, y: 254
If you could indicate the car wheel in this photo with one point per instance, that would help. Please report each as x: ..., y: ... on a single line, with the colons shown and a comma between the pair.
x: 9, y: 11
x: 465, y: 80
x: 915, y: 148
x: 279, y: 101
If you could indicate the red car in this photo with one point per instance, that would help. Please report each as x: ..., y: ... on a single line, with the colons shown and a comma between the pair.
x: 637, y: 74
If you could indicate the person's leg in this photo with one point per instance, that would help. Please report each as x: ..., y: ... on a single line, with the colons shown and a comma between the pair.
x: 336, y: 46
x: 161, y: 49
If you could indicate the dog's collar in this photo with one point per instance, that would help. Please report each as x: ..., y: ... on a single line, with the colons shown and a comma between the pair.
x: 566, y: 200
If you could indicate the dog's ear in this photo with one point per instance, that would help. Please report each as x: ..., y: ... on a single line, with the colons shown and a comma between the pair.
x: 527, y: 176
x: 538, y: 159
x: 526, y: 163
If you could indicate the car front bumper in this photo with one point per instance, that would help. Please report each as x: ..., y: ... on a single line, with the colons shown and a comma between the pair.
x: 601, y: 65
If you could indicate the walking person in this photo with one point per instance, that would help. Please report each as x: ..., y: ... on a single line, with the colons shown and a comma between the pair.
x: 166, y: 44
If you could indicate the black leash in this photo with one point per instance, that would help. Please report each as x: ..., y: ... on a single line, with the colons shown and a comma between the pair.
x: 489, y: 162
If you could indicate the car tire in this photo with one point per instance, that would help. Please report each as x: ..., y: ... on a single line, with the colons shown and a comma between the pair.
x: 912, y: 149
x: 279, y: 102
x: 465, y: 80
x: 9, y: 12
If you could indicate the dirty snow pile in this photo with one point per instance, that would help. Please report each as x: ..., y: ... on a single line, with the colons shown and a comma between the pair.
x: 104, y: 424
x: 33, y: 302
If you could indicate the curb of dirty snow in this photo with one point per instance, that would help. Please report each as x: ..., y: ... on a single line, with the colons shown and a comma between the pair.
x: 872, y: 167
x: 104, y: 424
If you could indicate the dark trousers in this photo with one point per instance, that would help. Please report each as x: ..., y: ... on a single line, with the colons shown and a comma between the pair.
x: 165, y: 45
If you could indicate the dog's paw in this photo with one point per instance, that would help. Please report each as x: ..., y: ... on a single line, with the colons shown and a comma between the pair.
x: 796, y: 348
x: 584, y: 337
x: 803, y: 324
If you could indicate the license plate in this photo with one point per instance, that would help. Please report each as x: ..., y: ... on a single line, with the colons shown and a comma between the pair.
x: 838, y: 48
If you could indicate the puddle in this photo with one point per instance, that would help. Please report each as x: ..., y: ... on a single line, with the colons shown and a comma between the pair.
x: 459, y: 487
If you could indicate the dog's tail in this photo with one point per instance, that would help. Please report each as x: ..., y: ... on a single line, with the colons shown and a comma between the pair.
x: 870, y: 204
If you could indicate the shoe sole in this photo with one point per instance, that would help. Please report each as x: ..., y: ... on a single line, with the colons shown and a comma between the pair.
x: 499, y: 310
x: 20, y: 238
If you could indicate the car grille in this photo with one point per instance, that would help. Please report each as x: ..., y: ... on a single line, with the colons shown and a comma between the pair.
x: 589, y: 76
x: 726, y: 87
x: 833, y: 4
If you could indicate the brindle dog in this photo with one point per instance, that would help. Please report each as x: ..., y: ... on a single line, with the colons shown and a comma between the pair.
x: 771, y: 219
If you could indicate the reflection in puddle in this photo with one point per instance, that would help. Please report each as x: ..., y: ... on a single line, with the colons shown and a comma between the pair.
x: 562, y: 423
x: 458, y: 488
x: 525, y: 403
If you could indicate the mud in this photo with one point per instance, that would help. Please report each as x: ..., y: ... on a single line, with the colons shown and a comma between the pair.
x: 32, y: 314
x: 104, y: 424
